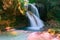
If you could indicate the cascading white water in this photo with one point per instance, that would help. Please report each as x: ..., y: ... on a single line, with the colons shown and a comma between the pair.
x: 34, y: 9
x: 32, y: 20
x: 35, y: 22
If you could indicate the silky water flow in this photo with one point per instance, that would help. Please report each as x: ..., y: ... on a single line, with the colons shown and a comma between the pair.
x: 33, y: 15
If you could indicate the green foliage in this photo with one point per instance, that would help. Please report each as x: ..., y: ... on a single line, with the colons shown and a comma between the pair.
x: 52, y: 6
x: 53, y: 9
x: 8, y: 15
x: 22, y: 3
x: 31, y: 1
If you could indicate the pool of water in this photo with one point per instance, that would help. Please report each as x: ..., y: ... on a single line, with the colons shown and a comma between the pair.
x: 30, y: 30
x: 20, y: 36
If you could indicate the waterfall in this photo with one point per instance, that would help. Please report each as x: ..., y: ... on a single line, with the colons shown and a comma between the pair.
x: 35, y: 22
x: 33, y: 15
x: 32, y: 21
x: 33, y: 9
